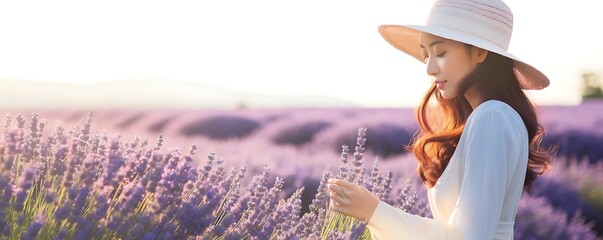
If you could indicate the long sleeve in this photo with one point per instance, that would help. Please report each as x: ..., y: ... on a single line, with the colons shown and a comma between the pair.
x: 389, y: 222
x: 487, y: 162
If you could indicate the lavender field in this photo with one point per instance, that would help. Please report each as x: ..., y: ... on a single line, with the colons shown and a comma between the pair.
x: 254, y: 174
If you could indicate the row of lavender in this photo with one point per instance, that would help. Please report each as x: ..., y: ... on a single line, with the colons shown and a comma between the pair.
x: 79, y: 185
x: 69, y: 185
x: 575, y: 129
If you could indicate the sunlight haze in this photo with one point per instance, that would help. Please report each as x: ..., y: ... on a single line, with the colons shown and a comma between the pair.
x: 328, y: 48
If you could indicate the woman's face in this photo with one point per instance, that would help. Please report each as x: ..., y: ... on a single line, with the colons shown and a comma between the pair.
x: 448, y: 62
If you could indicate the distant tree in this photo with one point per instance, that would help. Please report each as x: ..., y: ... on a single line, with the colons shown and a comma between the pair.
x: 592, y: 86
x: 241, y: 105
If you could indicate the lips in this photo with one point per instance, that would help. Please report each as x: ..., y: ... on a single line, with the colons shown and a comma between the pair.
x: 440, y: 83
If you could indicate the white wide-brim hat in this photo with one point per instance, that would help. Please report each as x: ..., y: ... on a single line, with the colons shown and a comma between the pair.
x: 486, y: 24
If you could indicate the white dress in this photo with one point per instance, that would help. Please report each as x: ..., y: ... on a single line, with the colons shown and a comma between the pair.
x: 478, y: 193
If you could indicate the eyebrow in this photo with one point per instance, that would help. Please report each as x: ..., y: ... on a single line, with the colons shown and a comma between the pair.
x: 432, y: 43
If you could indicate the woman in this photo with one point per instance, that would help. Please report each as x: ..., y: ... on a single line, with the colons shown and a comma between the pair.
x: 482, y: 148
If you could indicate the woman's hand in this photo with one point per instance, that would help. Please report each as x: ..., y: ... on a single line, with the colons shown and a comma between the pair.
x: 351, y: 199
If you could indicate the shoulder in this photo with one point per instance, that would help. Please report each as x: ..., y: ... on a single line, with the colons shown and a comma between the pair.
x: 495, y: 123
x: 495, y: 111
x: 494, y: 117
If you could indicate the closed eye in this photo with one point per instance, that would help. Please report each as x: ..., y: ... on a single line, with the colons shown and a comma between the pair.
x: 439, y: 56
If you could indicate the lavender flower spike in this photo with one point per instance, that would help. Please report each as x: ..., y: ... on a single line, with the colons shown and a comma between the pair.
x: 34, y: 227
x: 25, y: 183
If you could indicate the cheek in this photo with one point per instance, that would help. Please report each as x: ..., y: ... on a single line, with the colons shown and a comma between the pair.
x: 457, y: 68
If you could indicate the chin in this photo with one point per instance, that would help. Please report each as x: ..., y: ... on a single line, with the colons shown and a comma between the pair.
x: 448, y: 96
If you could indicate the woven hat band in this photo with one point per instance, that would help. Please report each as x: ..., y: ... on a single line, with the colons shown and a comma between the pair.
x: 483, y: 19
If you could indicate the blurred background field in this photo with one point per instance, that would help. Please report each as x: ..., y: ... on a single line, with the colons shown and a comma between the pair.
x: 287, y: 83
x: 300, y: 144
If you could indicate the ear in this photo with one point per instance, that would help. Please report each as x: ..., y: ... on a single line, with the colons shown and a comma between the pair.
x: 481, y: 54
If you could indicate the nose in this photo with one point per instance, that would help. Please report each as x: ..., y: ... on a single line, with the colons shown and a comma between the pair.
x: 432, y: 67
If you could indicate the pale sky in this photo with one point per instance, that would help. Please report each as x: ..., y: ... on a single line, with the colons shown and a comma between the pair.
x: 314, y: 47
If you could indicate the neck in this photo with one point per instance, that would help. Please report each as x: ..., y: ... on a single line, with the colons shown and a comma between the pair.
x: 473, y: 97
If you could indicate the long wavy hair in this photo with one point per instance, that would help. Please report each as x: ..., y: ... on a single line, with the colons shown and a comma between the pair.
x: 441, y: 124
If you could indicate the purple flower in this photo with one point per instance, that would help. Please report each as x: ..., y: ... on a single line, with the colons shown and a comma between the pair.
x: 337, y: 235
x: 135, y: 166
x: 272, y: 196
x: 102, y: 205
x: 344, y: 154
x: 403, y: 194
x: 359, y: 150
x: 358, y: 175
x: 80, y: 201
x: 133, y: 196
x: 25, y: 183
x: 217, y: 174
x: 113, y: 162
x: 139, y: 228
x: 59, y: 137
x: 14, y: 141
x: 193, y: 219
x: 266, y: 227
x: 87, y: 172
x: 159, y: 143
x: 537, y: 219
x: 4, y: 200
x: 7, y: 121
x: 20, y: 121
x: 295, y: 203
x: 56, y: 166
x: 168, y: 188
x: 62, y: 212
x: 150, y: 236
x: 50, y: 196
x: 34, y: 227
x: 232, y: 199
x: 103, y: 188
x: 87, y: 125
x: 153, y: 172
x: 343, y: 169
x: 387, y: 186
x: 373, y: 182
x: 320, y: 199
x: 71, y: 193
x: 71, y: 162
x: 20, y: 196
x: 84, y: 229
x: 357, y: 231
x: 61, y: 234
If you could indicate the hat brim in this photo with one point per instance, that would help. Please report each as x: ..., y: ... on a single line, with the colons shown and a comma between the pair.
x: 406, y: 39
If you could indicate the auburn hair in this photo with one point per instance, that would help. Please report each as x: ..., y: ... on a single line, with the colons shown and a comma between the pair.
x: 441, y: 124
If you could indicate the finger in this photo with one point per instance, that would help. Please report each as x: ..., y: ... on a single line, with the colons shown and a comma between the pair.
x: 337, y: 189
x: 338, y: 208
x: 339, y: 199
x: 341, y: 182
x: 335, y: 197
x: 334, y: 203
